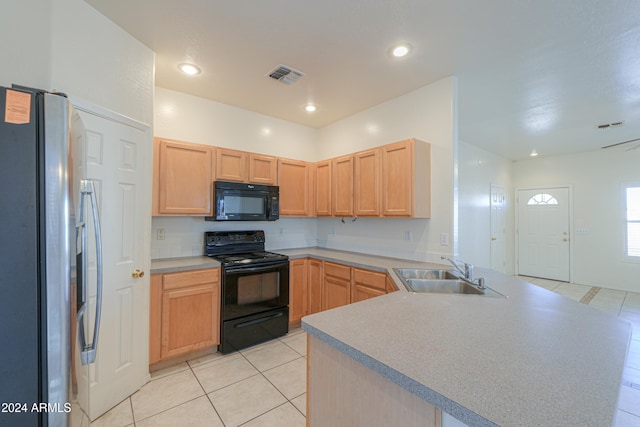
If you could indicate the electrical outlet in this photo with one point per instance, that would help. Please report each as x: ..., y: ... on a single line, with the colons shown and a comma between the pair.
x: 160, y: 234
x: 444, y: 239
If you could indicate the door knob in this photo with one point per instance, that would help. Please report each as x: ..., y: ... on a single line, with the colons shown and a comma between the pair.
x: 137, y: 274
x: 565, y: 239
x: 493, y: 238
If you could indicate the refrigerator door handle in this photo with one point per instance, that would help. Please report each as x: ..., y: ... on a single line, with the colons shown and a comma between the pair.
x: 88, y: 351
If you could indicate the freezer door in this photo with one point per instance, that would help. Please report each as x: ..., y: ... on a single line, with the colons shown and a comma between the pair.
x: 58, y: 232
x: 73, y: 262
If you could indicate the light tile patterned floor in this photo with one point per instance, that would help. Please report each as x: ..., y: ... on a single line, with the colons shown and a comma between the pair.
x: 261, y: 386
x: 265, y: 385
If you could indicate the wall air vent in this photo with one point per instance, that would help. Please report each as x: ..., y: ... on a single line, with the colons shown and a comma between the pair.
x: 285, y: 74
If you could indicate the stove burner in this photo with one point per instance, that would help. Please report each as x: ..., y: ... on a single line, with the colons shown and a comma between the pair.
x: 249, y: 258
x: 236, y: 248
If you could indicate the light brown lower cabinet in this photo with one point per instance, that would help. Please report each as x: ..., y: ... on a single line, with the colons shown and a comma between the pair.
x: 298, y: 289
x: 315, y: 279
x: 316, y: 285
x: 337, y: 285
x: 185, y: 313
x: 367, y: 284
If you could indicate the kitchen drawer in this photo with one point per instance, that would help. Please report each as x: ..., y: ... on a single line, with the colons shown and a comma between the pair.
x: 190, y: 278
x: 337, y: 270
x: 372, y: 279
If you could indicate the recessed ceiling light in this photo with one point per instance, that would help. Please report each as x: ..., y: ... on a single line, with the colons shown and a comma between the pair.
x: 401, y: 50
x: 189, y: 69
x: 534, y: 153
x: 310, y: 108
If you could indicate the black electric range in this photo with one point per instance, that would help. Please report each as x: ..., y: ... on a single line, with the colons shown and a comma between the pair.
x: 255, y: 288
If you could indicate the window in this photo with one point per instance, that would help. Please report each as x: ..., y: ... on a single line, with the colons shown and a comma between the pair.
x: 632, y: 219
x: 542, y: 199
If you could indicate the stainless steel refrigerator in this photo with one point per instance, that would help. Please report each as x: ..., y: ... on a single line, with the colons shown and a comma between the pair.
x: 50, y: 254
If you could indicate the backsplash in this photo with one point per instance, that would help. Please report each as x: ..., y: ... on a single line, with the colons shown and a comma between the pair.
x: 184, y: 236
x: 396, y: 238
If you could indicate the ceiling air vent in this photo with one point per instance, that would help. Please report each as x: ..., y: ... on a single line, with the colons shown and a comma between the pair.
x: 610, y: 125
x: 285, y: 74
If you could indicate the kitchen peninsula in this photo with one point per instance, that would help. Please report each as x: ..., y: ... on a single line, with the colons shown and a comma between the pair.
x: 534, y: 358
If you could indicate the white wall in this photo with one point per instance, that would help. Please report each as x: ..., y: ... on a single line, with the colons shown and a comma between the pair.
x: 192, y: 119
x: 201, y: 121
x: 428, y: 114
x: 597, y: 178
x: 67, y: 46
x: 477, y: 171
x: 95, y: 60
x: 25, y: 31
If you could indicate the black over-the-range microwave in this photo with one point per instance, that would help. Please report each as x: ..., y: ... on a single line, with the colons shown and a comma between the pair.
x: 236, y: 201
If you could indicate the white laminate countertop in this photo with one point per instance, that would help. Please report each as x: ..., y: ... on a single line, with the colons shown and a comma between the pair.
x: 535, y: 358
x: 174, y: 265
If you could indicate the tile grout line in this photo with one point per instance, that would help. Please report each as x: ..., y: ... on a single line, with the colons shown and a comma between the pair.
x: 205, y: 393
x: 273, y: 385
x: 590, y: 295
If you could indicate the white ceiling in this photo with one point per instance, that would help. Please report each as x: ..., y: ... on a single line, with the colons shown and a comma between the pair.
x: 531, y: 74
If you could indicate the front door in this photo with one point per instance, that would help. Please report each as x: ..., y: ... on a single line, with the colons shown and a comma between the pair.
x: 543, y: 233
x: 118, y: 154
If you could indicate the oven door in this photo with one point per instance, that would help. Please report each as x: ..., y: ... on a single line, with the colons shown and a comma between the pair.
x: 248, y: 290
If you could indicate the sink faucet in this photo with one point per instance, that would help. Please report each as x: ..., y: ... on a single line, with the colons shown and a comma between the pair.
x: 467, y: 271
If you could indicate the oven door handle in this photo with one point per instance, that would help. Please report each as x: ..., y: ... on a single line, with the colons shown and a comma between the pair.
x: 244, y: 269
x: 257, y: 321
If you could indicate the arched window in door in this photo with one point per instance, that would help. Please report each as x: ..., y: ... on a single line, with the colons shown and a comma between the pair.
x: 542, y: 199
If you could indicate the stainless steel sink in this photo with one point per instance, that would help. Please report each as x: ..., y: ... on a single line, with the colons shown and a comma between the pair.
x: 441, y: 282
x: 414, y: 273
x: 442, y: 286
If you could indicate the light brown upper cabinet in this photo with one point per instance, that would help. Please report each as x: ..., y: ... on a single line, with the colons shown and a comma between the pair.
x: 241, y: 166
x: 342, y: 186
x: 182, y: 181
x: 297, y: 187
x: 366, y: 183
x: 231, y: 165
x: 406, y: 179
x: 323, y: 188
x: 262, y: 169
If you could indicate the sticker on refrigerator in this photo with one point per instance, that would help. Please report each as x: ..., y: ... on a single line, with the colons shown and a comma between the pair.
x: 17, y: 109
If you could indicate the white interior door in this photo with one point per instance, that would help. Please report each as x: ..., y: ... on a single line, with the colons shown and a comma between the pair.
x: 118, y: 154
x: 498, y: 229
x: 543, y: 233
